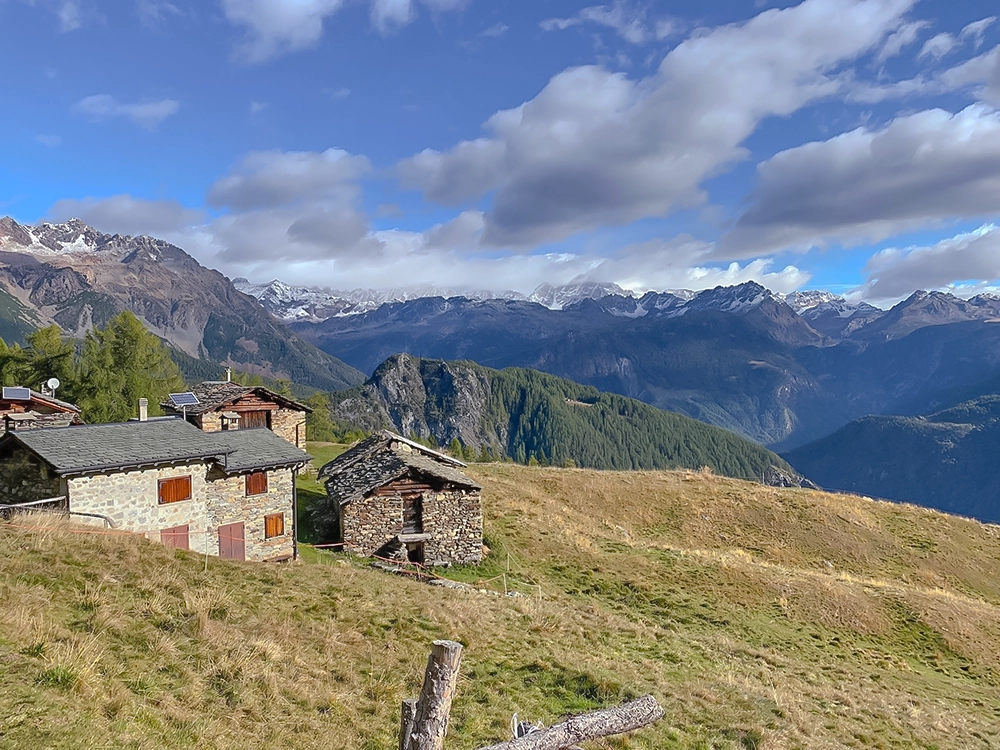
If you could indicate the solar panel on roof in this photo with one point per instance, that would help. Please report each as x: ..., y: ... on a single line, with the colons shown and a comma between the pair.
x: 16, y: 394
x: 184, y: 399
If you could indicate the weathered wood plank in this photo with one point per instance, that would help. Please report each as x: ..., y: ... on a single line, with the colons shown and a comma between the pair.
x: 430, y: 724
x: 604, y: 723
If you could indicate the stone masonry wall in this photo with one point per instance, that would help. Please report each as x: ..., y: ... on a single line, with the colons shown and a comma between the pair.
x: 290, y: 425
x: 210, y: 421
x: 131, y: 500
x: 24, y: 478
x: 371, y: 522
x: 228, y: 503
x: 453, y: 518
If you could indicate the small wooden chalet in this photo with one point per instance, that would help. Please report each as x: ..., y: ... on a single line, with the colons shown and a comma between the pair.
x: 27, y: 409
x: 395, y: 498
x: 224, y: 405
x: 230, y: 494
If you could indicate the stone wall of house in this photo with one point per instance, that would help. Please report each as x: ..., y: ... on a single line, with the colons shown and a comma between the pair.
x: 454, y: 519
x: 228, y: 503
x: 131, y: 500
x: 290, y: 425
x: 209, y: 421
x: 371, y: 522
x: 24, y: 478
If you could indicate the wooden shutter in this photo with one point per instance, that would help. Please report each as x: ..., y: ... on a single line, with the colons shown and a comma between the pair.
x: 174, y: 490
x: 176, y: 537
x: 251, y: 419
x: 232, y: 544
x: 256, y: 483
x: 274, y: 525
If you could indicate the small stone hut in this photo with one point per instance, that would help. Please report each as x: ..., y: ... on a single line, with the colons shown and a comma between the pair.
x: 224, y: 405
x: 27, y: 409
x: 397, y: 499
x: 230, y: 494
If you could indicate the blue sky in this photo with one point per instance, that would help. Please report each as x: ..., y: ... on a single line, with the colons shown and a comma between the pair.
x: 843, y: 144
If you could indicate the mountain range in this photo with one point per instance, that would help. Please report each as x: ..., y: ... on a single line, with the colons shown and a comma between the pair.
x: 74, y: 276
x: 525, y: 414
x: 945, y: 460
x: 738, y: 357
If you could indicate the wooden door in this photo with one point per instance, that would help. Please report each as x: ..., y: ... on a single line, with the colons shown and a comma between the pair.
x: 251, y: 419
x: 232, y: 542
x: 413, y: 522
x: 176, y: 537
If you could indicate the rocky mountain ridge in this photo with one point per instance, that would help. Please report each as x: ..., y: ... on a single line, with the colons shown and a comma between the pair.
x: 72, y: 275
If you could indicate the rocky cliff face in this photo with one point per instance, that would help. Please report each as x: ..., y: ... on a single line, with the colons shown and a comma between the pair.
x: 74, y: 276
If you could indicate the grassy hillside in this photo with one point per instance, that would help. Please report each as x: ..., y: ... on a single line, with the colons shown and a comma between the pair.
x: 760, y: 618
x: 529, y: 415
x: 946, y: 460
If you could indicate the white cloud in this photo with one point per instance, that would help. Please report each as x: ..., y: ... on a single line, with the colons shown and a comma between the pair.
x: 144, y: 114
x: 596, y: 148
x: 154, y: 13
x: 898, y: 40
x: 49, y: 140
x: 124, y: 214
x: 894, y: 273
x: 257, y: 107
x: 69, y: 16
x: 269, y: 179
x: 342, y: 93
x: 938, y: 46
x: 630, y: 22
x: 976, y: 30
x: 496, y: 30
x: 866, y: 185
x: 277, y: 27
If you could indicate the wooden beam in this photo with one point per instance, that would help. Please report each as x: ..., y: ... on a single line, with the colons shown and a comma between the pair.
x: 604, y: 723
x: 430, y: 723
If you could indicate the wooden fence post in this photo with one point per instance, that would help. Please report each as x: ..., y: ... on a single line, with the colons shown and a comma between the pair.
x: 604, y: 723
x: 430, y: 721
x: 407, y: 714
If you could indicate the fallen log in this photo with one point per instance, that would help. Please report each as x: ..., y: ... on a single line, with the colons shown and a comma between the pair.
x: 591, y: 726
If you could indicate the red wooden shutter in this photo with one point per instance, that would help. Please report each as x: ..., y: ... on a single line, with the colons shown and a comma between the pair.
x: 176, y: 537
x: 232, y: 544
x: 274, y: 525
x: 174, y: 490
x: 256, y: 483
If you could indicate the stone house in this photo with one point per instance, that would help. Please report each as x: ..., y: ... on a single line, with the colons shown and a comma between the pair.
x: 230, y: 494
x: 224, y: 405
x: 27, y: 409
x: 395, y: 498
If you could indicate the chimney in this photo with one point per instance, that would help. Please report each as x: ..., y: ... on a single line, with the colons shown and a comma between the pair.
x: 143, y: 409
x: 229, y: 374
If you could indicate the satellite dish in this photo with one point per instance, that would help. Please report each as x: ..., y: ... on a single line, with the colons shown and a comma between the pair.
x: 52, y: 383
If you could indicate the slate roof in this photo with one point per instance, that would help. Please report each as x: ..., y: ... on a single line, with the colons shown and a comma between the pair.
x: 213, y: 394
x: 256, y: 449
x: 89, y: 449
x: 382, y: 458
x: 49, y: 400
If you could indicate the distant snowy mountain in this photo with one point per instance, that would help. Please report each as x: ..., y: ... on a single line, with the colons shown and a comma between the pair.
x: 559, y: 297
x: 802, y: 301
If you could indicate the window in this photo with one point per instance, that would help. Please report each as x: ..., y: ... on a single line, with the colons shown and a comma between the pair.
x: 175, y: 489
x: 256, y: 483
x: 274, y: 525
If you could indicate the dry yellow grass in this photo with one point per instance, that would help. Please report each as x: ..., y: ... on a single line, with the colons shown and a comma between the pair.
x: 758, y: 617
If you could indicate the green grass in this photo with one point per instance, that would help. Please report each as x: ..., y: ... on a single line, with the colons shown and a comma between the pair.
x: 758, y: 617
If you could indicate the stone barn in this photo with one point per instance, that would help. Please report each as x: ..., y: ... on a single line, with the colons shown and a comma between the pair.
x: 224, y: 405
x: 397, y: 499
x: 27, y: 409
